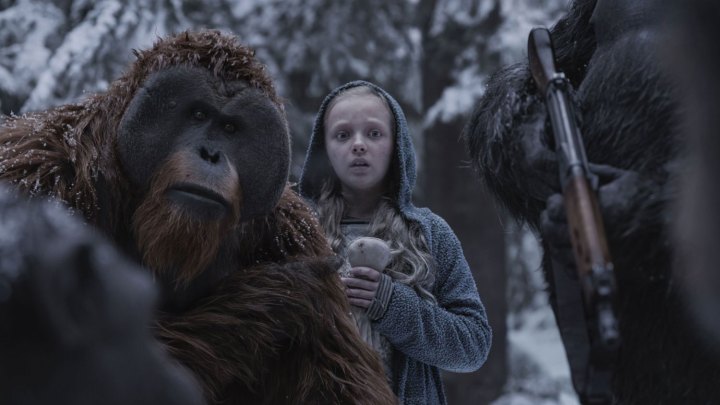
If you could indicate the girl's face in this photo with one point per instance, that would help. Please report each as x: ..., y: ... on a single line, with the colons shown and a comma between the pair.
x: 359, y: 142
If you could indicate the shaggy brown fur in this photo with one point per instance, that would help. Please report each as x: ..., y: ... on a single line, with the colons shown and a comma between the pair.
x: 170, y: 238
x: 266, y: 309
x: 277, y: 330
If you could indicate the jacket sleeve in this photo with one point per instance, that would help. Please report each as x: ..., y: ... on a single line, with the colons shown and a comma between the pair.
x: 454, y: 334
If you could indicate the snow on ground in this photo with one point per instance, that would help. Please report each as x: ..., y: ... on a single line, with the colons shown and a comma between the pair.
x: 538, y: 370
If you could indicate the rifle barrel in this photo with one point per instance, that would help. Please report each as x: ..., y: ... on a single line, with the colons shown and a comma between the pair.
x: 540, y: 55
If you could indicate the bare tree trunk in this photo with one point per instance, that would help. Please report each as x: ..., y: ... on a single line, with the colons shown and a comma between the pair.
x: 454, y: 192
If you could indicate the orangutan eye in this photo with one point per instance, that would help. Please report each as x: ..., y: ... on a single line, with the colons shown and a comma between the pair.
x: 199, y: 115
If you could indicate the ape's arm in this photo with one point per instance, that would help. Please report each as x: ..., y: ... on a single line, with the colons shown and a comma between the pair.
x: 507, y: 138
x: 46, y: 154
x: 506, y: 135
x: 274, y: 330
x: 278, y: 330
x: 633, y: 208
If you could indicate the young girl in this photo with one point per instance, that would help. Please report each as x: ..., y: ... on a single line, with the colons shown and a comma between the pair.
x: 423, y: 309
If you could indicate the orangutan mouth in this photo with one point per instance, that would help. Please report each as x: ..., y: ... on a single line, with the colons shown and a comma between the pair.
x: 197, y: 197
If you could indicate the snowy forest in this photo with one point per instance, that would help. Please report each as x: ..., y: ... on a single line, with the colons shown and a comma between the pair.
x: 433, y: 55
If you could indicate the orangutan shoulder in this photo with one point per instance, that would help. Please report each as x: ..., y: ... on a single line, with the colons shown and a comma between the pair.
x: 298, y: 227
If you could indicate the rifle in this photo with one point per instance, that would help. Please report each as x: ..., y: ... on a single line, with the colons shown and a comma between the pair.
x: 590, y: 331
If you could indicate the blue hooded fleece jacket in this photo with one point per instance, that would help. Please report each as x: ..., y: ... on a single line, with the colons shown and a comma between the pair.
x: 454, y: 333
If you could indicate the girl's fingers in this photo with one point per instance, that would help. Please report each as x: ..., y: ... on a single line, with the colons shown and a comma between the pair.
x: 352, y: 282
x: 362, y: 286
x: 366, y: 273
x: 360, y: 294
x: 360, y: 302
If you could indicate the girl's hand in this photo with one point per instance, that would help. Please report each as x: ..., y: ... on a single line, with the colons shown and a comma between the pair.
x: 362, y: 286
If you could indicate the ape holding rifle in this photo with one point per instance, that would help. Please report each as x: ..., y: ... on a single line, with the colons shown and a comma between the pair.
x: 628, y: 105
x: 183, y: 162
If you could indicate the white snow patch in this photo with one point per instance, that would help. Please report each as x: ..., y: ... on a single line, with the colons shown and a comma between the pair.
x: 77, y: 50
x: 25, y: 28
x: 520, y: 16
x: 459, y: 99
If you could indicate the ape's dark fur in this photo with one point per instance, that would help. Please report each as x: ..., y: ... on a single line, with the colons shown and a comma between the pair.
x: 75, y: 317
x: 629, y: 121
x: 254, y: 310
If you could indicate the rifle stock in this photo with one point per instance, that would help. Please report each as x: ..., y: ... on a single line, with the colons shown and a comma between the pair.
x: 592, y: 257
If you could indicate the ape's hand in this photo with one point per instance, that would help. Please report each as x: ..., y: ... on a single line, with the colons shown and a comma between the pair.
x: 618, y: 193
x: 620, y: 196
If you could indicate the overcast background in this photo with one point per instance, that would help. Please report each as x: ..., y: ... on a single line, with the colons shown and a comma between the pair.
x: 433, y: 56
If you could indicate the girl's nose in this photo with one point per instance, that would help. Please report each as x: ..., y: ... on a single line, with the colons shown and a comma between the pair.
x: 359, y: 146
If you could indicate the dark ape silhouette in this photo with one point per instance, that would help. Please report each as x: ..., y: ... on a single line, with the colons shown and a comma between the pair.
x: 694, y: 58
x: 607, y: 48
x: 75, y: 317
x: 183, y: 162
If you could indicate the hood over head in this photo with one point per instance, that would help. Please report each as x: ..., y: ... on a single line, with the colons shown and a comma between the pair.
x: 317, y: 168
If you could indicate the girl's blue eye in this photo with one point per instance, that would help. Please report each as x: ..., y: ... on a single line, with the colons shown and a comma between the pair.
x: 375, y: 133
x: 341, y: 135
